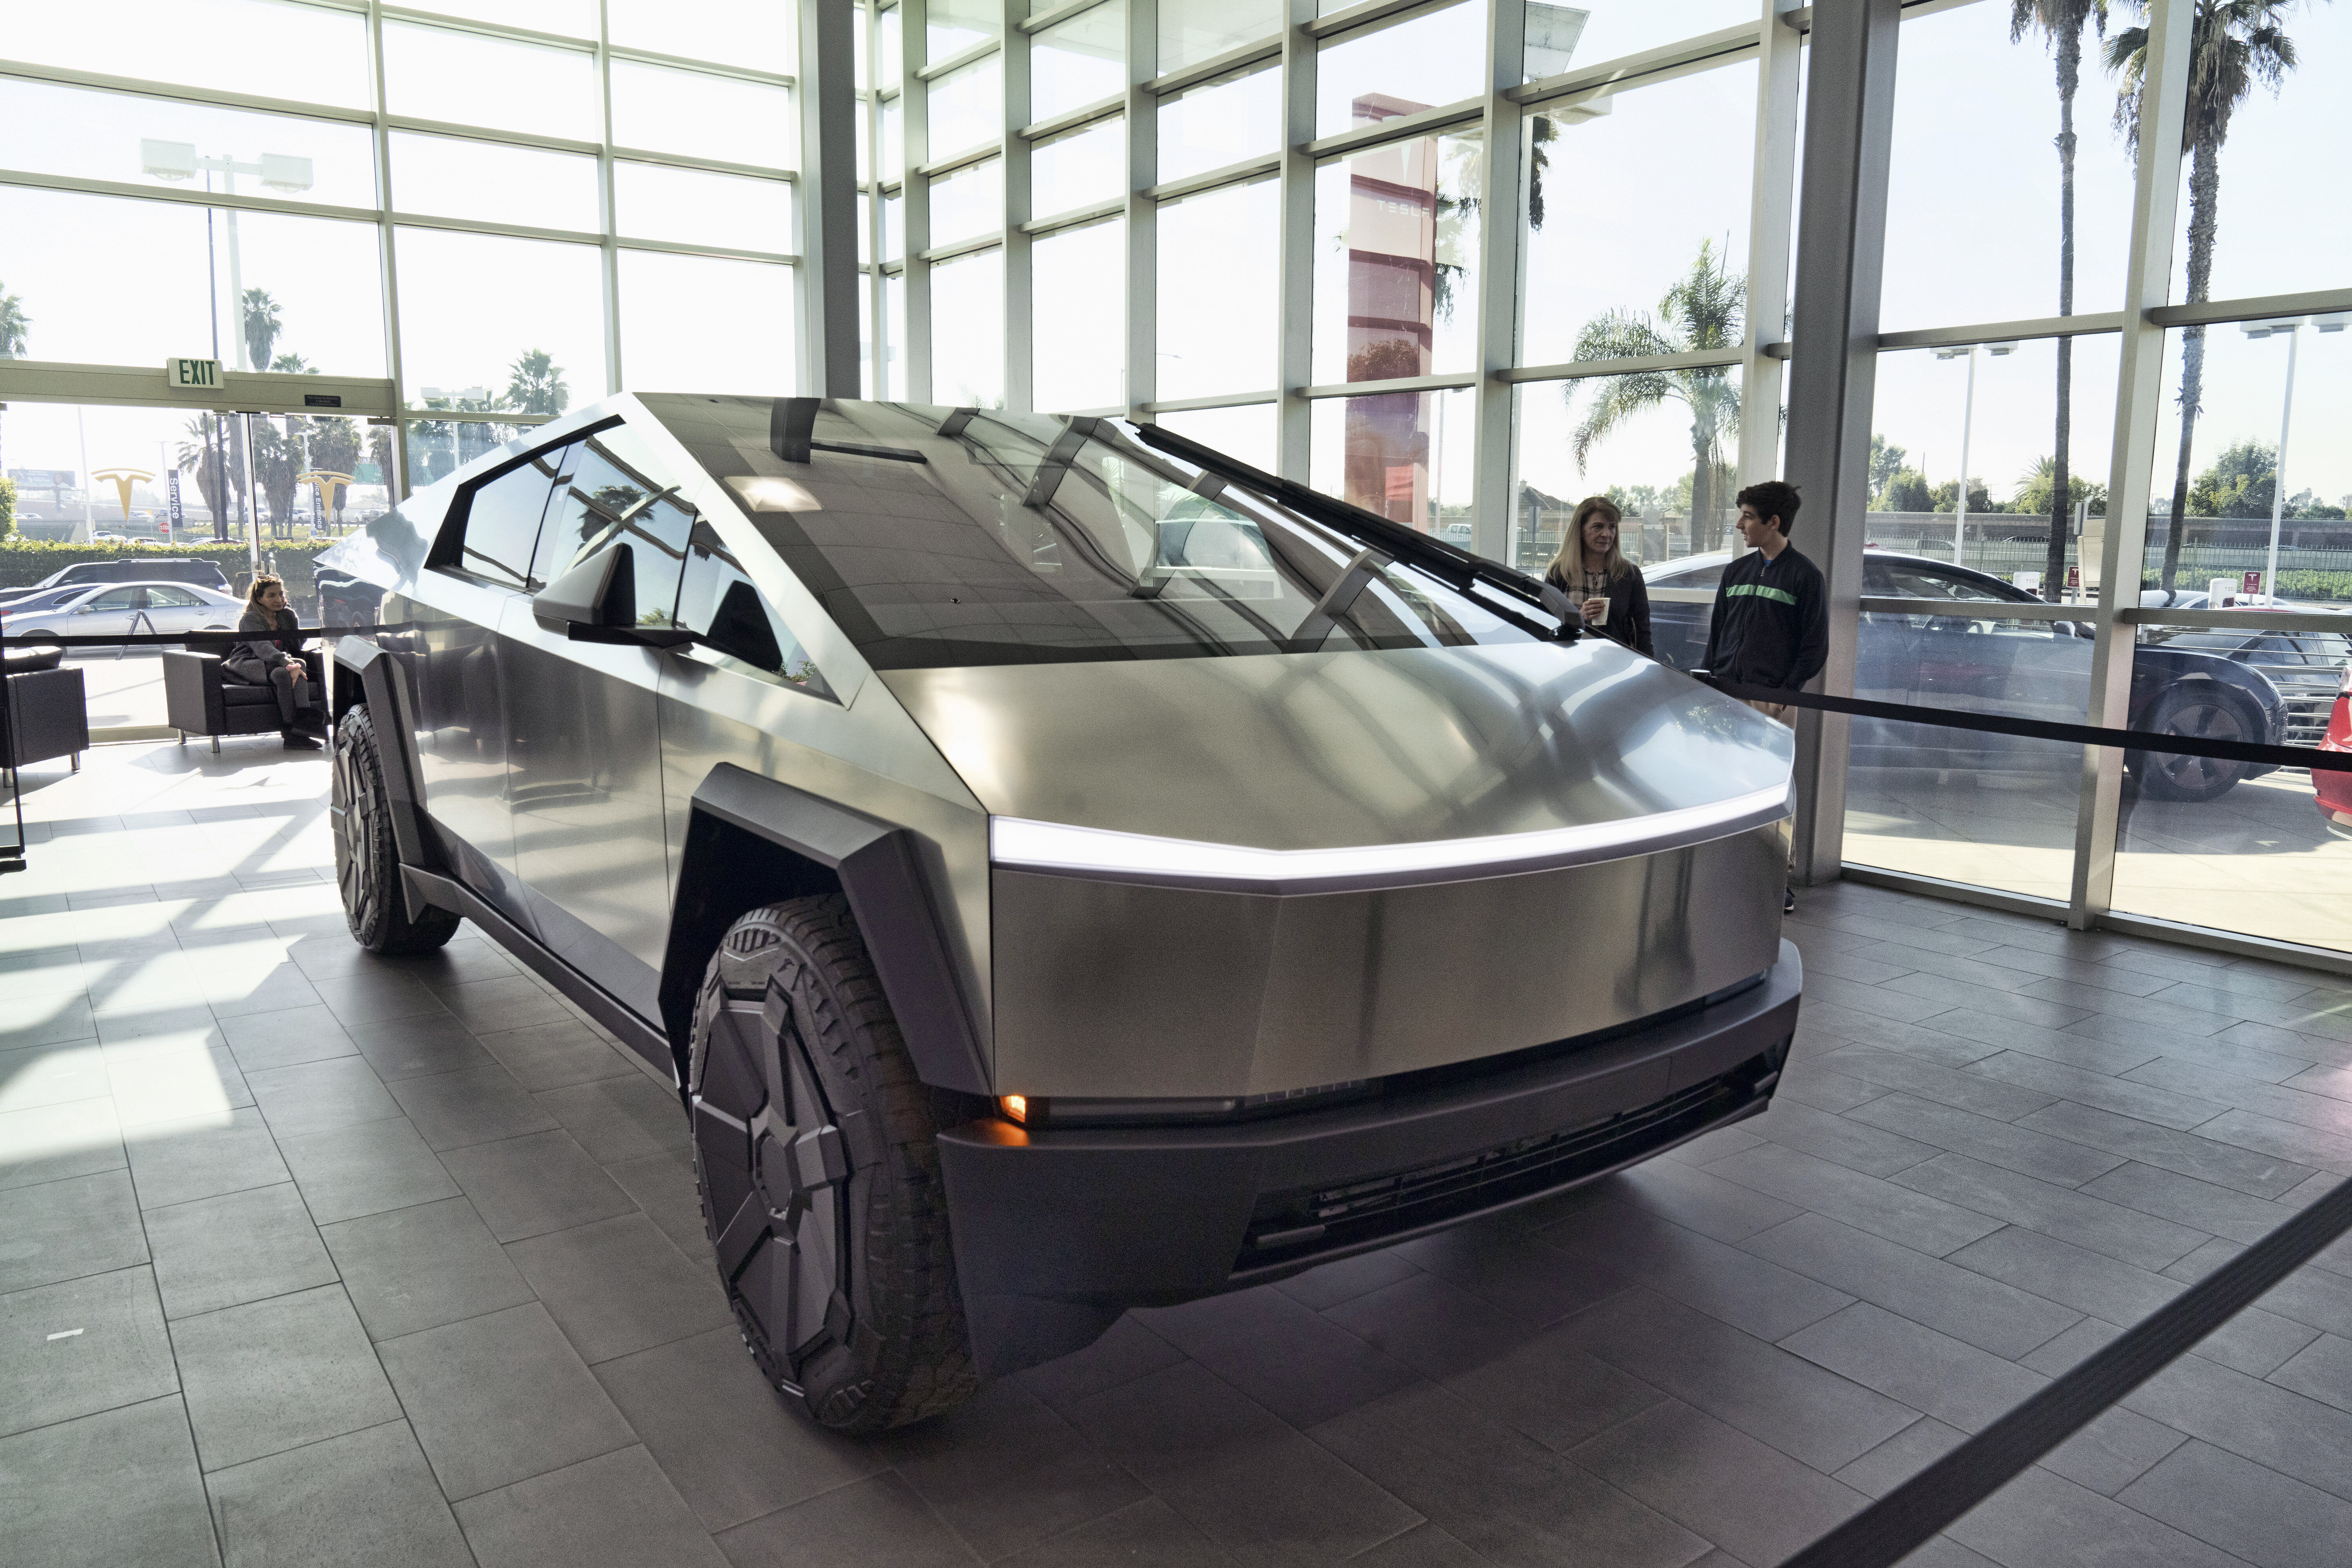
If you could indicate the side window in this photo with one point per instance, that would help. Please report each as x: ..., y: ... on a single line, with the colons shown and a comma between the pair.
x: 1697, y: 577
x: 160, y: 597
x: 717, y: 602
x: 116, y: 599
x: 609, y: 491
x: 502, y: 524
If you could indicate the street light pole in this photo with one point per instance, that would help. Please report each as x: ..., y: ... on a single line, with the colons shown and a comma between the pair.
x: 278, y: 170
x: 1968, y: 419
x: 2278, y: 483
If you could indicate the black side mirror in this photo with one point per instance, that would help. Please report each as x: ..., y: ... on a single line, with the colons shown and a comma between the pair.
x: 596, y: 601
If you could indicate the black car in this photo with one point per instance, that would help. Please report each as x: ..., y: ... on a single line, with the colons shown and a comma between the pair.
x: 1973, y: 659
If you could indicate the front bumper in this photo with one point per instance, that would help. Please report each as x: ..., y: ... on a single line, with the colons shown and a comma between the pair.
x: 1059, y: 1230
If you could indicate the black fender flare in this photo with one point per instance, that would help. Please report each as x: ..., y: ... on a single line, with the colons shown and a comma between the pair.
x: 366, y: 674
x: 817, y: 845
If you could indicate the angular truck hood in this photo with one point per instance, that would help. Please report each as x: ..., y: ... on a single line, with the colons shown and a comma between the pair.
x: 1322, y: 750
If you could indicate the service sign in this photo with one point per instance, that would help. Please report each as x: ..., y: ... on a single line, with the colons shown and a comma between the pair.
x: 193, y: 374
x: 172, y: 494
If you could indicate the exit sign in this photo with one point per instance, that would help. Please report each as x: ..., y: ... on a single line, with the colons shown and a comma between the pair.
x: 193, y: 374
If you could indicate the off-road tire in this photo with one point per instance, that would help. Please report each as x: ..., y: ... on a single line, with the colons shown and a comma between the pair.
x: 2200, y: 708
x: 367, y: 858
x: 816, y: 1155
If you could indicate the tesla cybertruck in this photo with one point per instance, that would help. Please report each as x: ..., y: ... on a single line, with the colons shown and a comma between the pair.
x: 1062, y: 869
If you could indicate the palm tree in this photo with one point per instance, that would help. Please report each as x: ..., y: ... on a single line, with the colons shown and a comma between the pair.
x: 13, y: 325
x: 220, y: 469
x: 1706, y: 308
x: 535, y: 385
x: 2061, y: 22
x: 262, y: 326
x: 2232, y: 45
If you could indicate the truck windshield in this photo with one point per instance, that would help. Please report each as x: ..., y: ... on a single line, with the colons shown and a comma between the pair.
x: 942, y: 537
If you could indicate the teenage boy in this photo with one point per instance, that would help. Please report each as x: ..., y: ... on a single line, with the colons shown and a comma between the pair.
x: 1771, y: 614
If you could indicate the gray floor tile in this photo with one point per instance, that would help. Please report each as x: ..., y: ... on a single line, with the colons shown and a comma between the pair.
x: 1553, y: 1391
x: 365, y: 1498
x: 1741, y: 1289
x: 1150, y: 1534
x: 876, y: 1520
x: 321, y: 1097
x: 431, y: 1044
x: 177, y: 1163
x: 1698, y: 1200
x: 556, y: 1055
x: 105, y: 1490
x: 2256, y: 1342
x: 455, y: 1110
x: 1814, y: 1416
x: 366, y: 995
x: 2059, y: 1271
x: 2120, y: 1233
x: 1901, y: 1457
x: 728, y: 1442
x: 1304, y: 1367
x: 491, y: 1006
x: 2169, y: 1149
x: 1916, y: 1217
x: 620, y: 1118
x: 1944, y: 1085
x: 237, y: 1247
x: 1126, y: 1351
x: 665, y: 1191
x: 2322, y: 1369
x: 2049, y: 1005
x: 2223, y: 1211
x: 500, y: 1398
x: 1253, y: 1484
x: 176, y: 1085
x: 2115, y: 1450
x: 86, y: 1345
x: 368, y: 1169
x: 1750, y: 1499
x: 53, y: 1074
x: 1876, y: 1001
x: 1957, y: 1384
x: 2068, y: 1350
x: 618, y: 1285
x: 2096, y: 1086
x: 272, y: 1375
x: 528, y: 1186
x: 52, y: 1143
x: 2043, y: 1521
x: 1497, y: 1493
x: 1433, y: 1325
x: 1345, y: 1280
x: 2013, y: 1147
x: 286, y: 1038
x: 2255, y: 1420
x: 1840, y: 1140
x: 2204, y: 1260
x: 2286, y: 1139
x: 1985, y: 1313
x: 64, y: 1229
x: 1004, y: 1472
x: 2245, y: 1509
x: 1517, y: 1272
x: 414, y: 1269
x: 616, y: 1509
x: 2297, y: 1104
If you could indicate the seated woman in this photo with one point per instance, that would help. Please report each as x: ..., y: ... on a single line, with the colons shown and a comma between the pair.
x: 267, y: 661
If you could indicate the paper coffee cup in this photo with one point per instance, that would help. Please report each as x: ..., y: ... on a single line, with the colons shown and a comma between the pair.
x: 1602, y: 618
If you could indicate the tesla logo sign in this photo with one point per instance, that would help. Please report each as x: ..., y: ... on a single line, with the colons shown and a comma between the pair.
x: 2250, y: 583
x: 193, y: 374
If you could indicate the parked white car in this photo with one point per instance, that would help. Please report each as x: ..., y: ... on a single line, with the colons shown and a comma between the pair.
x: 107, y: 609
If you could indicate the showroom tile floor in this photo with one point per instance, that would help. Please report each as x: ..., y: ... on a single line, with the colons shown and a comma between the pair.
x: 310, y: 1258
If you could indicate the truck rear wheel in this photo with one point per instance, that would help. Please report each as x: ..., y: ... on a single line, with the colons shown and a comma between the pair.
x: 814, y: 1152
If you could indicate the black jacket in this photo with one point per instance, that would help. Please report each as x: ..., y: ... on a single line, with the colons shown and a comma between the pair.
x: 1629, y: 607
x: 1771, y: 624
x: 254, y: 661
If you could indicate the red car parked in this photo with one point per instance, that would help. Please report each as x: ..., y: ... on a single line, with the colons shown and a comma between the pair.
x: 2334, y: 789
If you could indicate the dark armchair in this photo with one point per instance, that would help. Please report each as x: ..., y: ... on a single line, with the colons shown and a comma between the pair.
x: 202, y: 698
x: 48, y: 716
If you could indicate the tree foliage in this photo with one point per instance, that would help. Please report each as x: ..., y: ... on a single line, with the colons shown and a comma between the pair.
x: 535, y: 385
x: 262, y: 325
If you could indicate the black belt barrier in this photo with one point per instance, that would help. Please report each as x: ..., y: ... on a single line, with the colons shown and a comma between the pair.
x: 207, y: 637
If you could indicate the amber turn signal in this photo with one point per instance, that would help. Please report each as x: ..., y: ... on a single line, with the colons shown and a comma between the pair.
x: 1016, y: 1108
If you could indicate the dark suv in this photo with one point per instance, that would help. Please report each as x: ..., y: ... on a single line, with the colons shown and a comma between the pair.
x: 1061, y: 869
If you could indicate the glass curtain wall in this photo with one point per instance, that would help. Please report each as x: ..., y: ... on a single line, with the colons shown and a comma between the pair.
x: 503, y: 209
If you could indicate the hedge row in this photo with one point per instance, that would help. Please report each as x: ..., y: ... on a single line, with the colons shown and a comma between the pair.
x: 24, y: 561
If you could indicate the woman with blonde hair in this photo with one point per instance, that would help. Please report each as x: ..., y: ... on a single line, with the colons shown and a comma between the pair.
x: 1605, y: 588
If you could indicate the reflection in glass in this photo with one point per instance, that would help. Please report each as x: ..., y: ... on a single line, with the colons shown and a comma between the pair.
x: 476, y: 308
x: 572, y: 19
x: 894, y: 227
x: 1561, y: 37
x: 1192, y: 30
x: 1219, y: 122
x: 968, y: 203
x: 1078, y: 62
x: 471, y: 78
x: 435, y: 448
x: 894, y: 140
x: 701, y: 116
x: 1219, y: 253
x: 654, y: 201
x: 891, y: 26
x: 493, y: 182
x: 1650, y: 443
x: 1392, y: 67
x: 1404, y: 455
x: 740, y: 630
x: 951, y: 26
x: 968, y: 330
x: 303, y: 52
x: 1396, y: 259
x: 1078, y: 167
x: 967, y: 108
x: 700, y: 324
x: 1245, y: 434
x: 1621, y: 167
x: 894, y: 323
x: 95, y: 136
x: 754, y: 35
x: 1078, y: 306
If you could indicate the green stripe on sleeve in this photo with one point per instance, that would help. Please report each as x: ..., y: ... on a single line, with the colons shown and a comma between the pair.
x: 1761, y: 592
